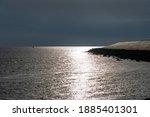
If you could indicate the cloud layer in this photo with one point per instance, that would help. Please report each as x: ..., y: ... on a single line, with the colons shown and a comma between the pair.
x: 87, y: 21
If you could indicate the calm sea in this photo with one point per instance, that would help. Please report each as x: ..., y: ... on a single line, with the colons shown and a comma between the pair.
x: 70, y: 73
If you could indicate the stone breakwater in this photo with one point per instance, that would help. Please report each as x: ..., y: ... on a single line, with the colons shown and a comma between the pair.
x: 138, y: 55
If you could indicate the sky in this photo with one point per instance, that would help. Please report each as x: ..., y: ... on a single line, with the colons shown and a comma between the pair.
x: 73, y: 22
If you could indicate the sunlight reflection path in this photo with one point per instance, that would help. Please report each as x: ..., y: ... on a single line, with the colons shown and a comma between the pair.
x: 81, y: 72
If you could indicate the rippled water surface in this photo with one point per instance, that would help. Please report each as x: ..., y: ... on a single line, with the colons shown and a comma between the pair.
x: 70, y: 73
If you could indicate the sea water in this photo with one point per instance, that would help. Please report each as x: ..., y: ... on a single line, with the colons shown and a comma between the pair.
x: 70, y: 73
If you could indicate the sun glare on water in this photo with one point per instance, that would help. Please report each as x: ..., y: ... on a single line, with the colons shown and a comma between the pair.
x: 81, y: 73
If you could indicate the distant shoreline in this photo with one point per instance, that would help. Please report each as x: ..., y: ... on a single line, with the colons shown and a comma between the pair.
x: 121, y: 53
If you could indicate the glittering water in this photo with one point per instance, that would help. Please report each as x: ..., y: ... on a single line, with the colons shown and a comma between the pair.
x: 70, y: 73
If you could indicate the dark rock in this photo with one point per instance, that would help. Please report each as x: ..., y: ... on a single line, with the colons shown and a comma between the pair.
x: 147, y: 99
x: 138, y: 55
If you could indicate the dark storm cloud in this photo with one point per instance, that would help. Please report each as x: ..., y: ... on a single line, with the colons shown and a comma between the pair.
x: 50, y: 20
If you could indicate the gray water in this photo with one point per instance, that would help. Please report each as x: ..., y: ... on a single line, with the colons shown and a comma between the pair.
x: 70, y: 73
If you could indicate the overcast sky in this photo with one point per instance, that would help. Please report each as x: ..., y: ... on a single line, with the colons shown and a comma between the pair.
x: 73, y: 22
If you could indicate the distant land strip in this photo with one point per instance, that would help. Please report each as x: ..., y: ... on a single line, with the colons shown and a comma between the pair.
x: 117, y: 52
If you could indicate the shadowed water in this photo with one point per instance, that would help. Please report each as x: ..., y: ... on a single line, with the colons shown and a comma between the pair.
x: 70, y: 73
